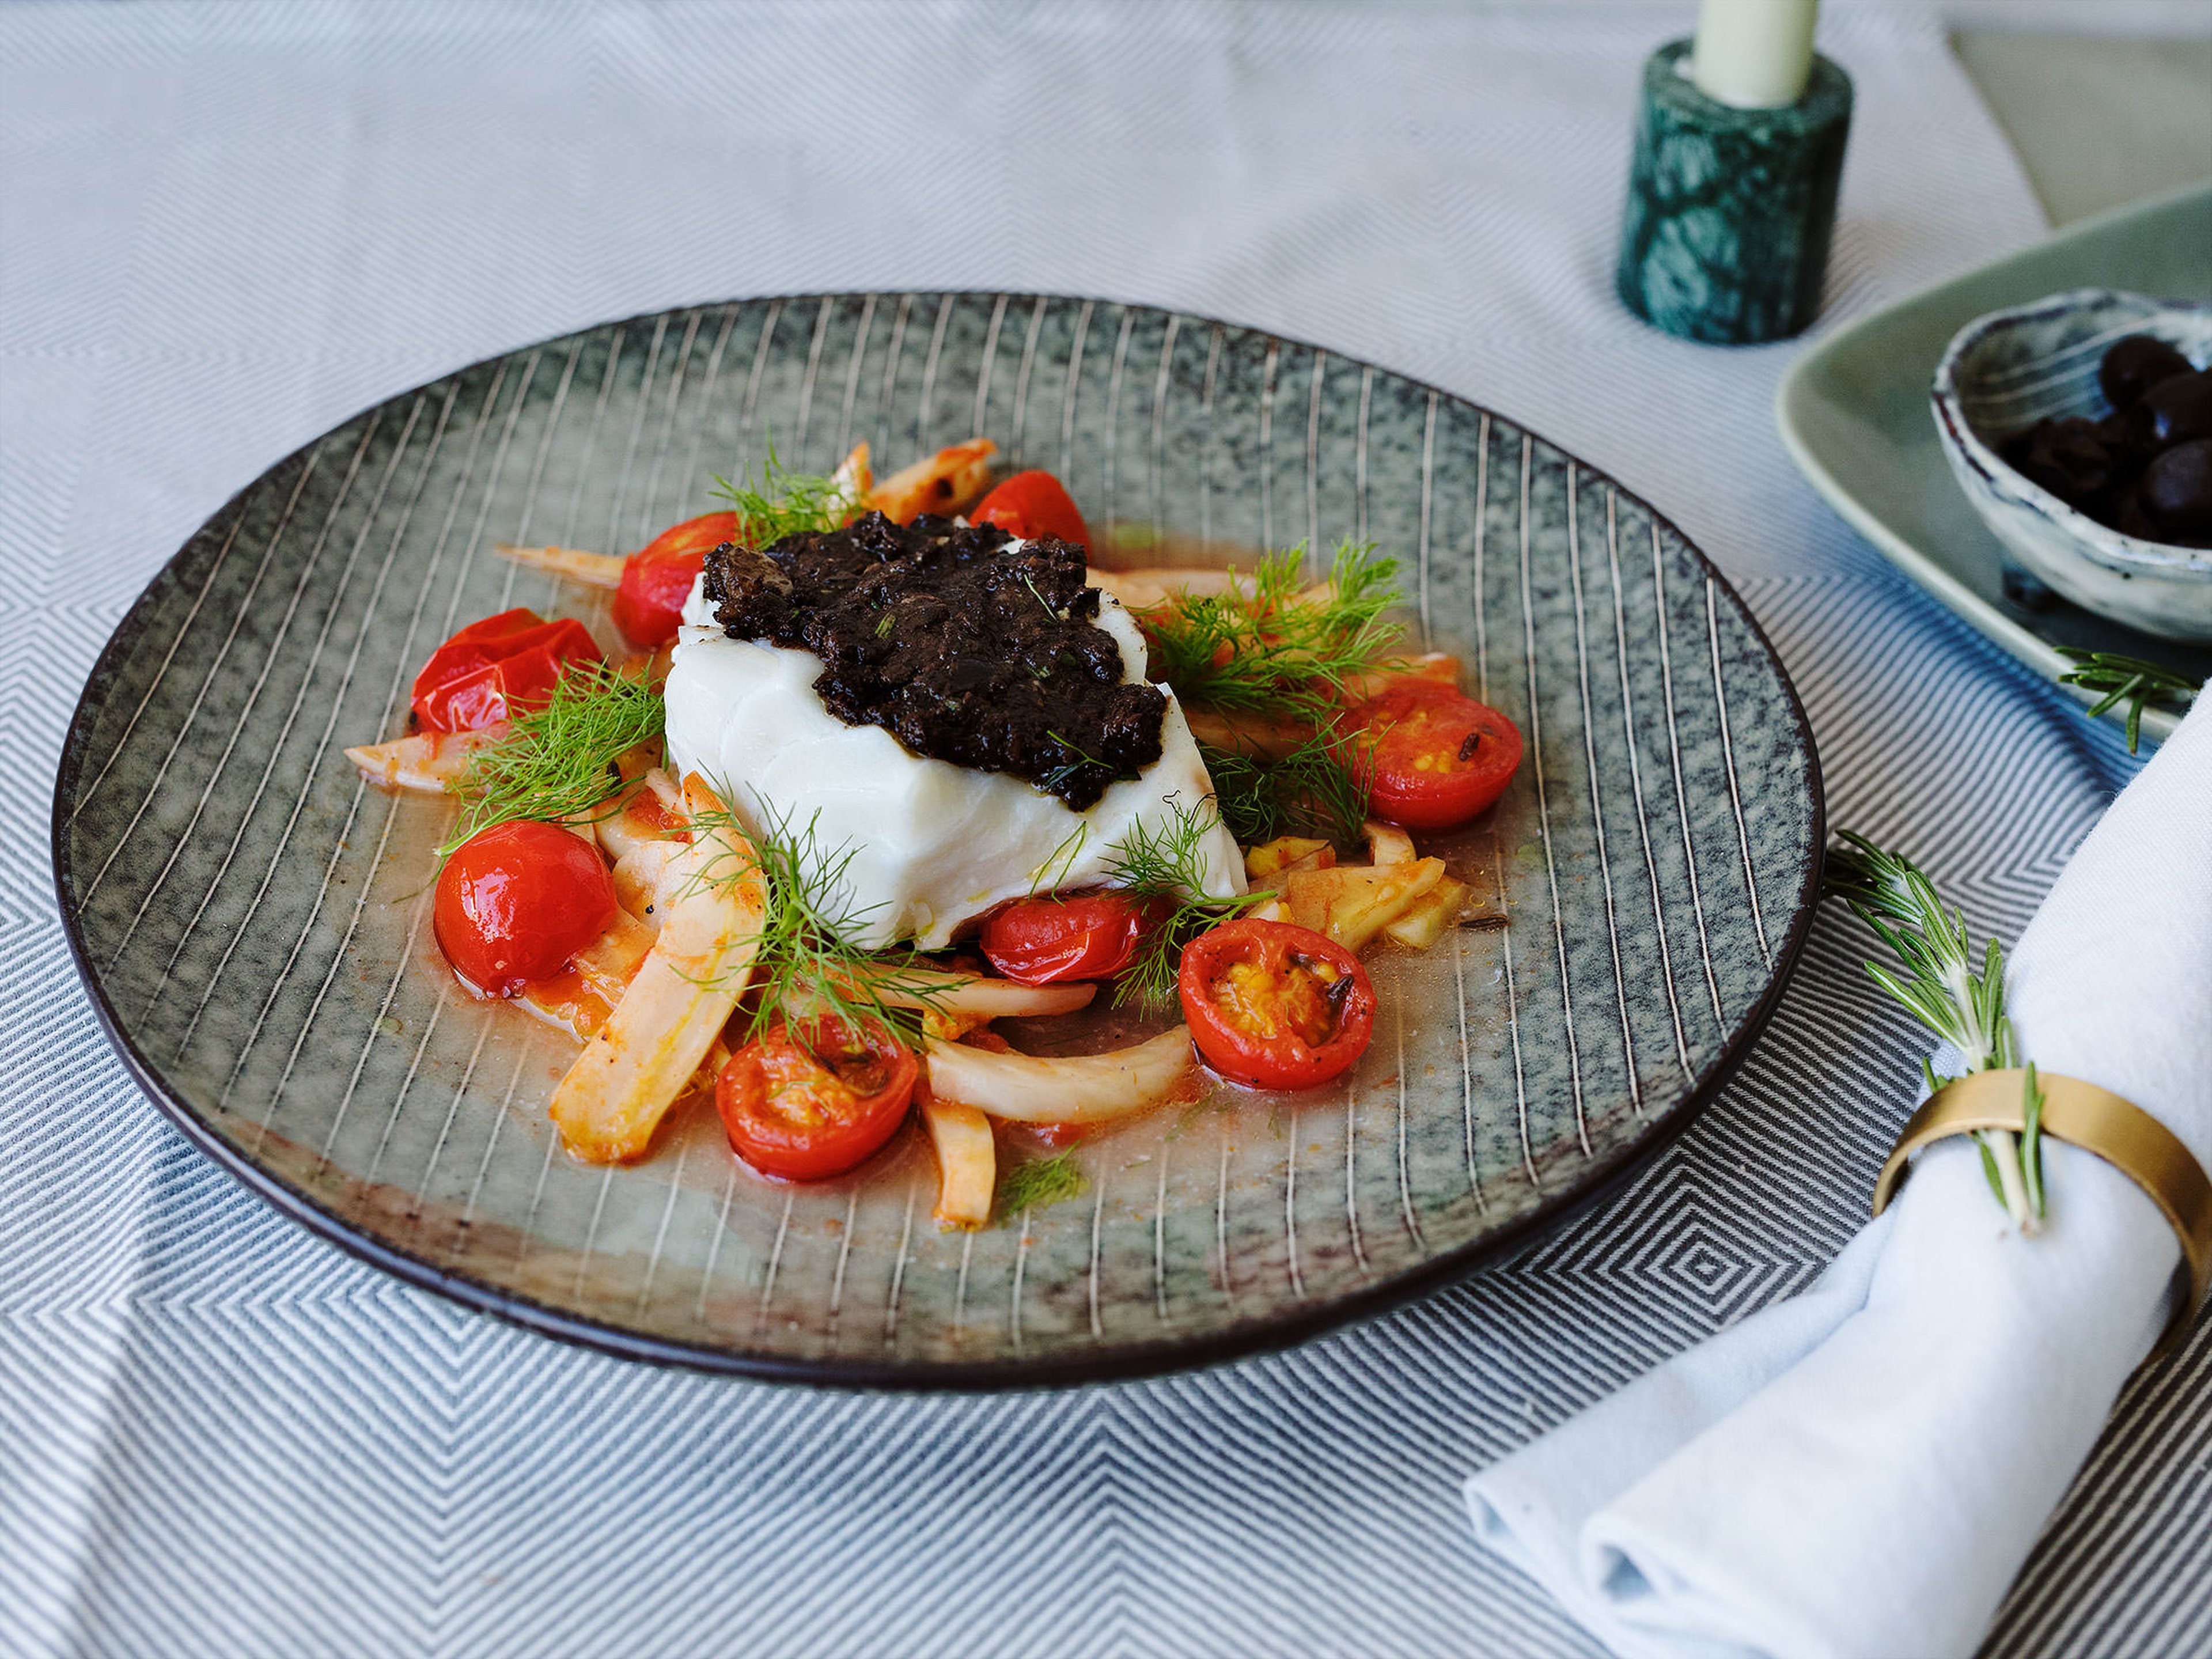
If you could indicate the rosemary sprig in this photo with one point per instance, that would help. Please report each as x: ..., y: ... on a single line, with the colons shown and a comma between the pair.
x: 1942, y: 987
x: 1267, y: 648
x: 1167, y: 865
x: 1315, y: 789
x: 1039, y: 1181
x: 807, y: 965
x: 2031, y: 1139
x: 2126, y: 679
x: 560, y: 760
x: 785, y: 503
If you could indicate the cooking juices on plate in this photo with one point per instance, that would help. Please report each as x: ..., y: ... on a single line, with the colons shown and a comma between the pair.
x: 887, y: 764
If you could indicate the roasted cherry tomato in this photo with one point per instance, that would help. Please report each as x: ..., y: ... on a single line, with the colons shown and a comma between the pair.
x: 1274, y: 1005
x: 657, y: 579
x: 517, y: 901
x: 1040, y: 941
x: 1033, y: 504
x: 1436, y: 756
x: 807, y: 1109
x: 496, y: 668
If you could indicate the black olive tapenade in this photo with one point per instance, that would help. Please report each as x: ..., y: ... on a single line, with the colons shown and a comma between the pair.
x: 963, y: 646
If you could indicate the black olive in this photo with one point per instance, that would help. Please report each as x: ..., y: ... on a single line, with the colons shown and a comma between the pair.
x: 2180, y: 410
x: 2133, y: 366
x: 2068, y: 458
x: 2177, y: 488
x: 2121, y: 434
x: 2131, y: 518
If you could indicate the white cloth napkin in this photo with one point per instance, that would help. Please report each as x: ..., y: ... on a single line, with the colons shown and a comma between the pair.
x: 1861, y: 1470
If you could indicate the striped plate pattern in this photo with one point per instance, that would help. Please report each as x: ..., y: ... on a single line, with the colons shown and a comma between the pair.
x: 252, y: 918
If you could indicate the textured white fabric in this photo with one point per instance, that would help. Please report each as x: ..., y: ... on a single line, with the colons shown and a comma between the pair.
x: 1860, y: 1470
x: 225, y: 227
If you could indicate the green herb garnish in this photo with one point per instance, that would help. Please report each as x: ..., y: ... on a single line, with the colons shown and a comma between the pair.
x: 1942, y: 987
x: 1054, y: 870
x: 559, y: 761
x: 785, y: 503
x: 1040, y: 1181
x: 807, y: 966
x: 2126, y: 679
x: 1039, y: 598
x: 1313, y: 790
x: 1267, y: 649
x: 1168, y: 864
x: 1060, y: 774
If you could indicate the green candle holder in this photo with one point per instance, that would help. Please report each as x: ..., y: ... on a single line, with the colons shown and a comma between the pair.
x: 1730, y: 210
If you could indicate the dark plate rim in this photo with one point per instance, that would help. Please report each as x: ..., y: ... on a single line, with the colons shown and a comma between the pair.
x: 1281, y: 1329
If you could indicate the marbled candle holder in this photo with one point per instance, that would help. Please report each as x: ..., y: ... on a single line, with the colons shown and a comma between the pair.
x: 1730, y: 210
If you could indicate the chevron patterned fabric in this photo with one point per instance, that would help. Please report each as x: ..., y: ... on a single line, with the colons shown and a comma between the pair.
x: 224, y: 228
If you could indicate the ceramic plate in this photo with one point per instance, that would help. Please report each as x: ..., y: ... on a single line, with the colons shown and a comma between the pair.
x: 250, y: 918
x: 1854, y: 414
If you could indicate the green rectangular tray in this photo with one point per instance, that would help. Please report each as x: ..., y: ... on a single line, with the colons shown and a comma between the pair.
x: 1854, y: 414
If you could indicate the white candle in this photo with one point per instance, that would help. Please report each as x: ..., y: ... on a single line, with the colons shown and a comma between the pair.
x: 1754, y: 54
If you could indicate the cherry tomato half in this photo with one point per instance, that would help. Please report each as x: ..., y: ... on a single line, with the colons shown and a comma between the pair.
x: 517, y: 901
x: 808, y: 1109
x: 1275, y: 1005
x: 1437, y: 755
x: 1033, y: 504
x: 1041, y: 941
x: 497, y: 668
x: 657, y: 579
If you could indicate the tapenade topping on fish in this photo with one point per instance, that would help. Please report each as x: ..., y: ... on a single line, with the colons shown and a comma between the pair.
x: 965, y: 645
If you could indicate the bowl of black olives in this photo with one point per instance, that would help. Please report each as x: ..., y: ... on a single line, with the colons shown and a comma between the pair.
x: 2080, y: 427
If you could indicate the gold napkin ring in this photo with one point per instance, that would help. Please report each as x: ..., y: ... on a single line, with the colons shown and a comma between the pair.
x: 2097, y: 1121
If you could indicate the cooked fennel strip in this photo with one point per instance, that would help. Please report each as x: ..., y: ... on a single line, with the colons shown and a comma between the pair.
x: 947, y: 483
x: 427, y: 763
x: 840, y: 493
x: 1077, y: 1089
x: 967, y: 1159
x: 590, y: 569
x: 1151, y: 589
x: 975, y: 996
x: 637, y: 1064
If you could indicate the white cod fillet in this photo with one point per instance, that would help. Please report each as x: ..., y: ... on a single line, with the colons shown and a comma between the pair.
x: 935, y: 844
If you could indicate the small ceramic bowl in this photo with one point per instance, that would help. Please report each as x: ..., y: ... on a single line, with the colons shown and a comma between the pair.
x: 2003, y: 373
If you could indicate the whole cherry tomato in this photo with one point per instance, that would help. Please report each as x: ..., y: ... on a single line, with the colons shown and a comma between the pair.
x: 497, y: 668
x: 1436, y: 755
x: 515, y: 903
x: 657, y: 579
x: 808, y: 1109
x: 1275, y: 1005
x: 1040, y: 941
x: 1031, y: 504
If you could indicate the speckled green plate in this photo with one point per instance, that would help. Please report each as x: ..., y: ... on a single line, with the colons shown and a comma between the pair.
x: 251, y: 919
x: 1854, y: 414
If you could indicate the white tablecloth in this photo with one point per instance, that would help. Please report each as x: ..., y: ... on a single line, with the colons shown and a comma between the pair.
x: 224, y: 228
